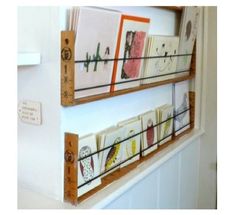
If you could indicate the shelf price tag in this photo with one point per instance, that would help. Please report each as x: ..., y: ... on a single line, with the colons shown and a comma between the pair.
x: 30, y: 112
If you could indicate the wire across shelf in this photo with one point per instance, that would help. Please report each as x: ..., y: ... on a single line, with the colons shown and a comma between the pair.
x: 133, y: 79
x: 138, y: 153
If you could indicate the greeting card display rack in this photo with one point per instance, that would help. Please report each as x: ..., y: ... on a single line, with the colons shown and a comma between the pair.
x: 72, y: 140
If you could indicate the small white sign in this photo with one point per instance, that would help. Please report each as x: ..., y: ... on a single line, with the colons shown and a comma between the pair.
x: 30, y: 112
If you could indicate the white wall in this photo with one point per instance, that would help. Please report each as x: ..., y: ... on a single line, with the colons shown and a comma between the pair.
x: 39, y: 147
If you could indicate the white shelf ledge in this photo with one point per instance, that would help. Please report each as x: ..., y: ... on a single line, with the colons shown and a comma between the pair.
x: 28, y: 59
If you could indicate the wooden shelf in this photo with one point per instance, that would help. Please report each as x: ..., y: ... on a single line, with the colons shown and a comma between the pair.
x: 67, y: 72
x: 173, y: 8
x: 71, y: 151
x: 116, y: 175
x: 71, y: 168
x: 131, y: 90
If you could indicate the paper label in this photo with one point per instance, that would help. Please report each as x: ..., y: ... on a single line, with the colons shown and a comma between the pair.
x: 30, y: 112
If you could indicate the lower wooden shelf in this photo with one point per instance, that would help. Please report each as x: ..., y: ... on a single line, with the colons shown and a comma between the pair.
x: 116, y: 175
x: 71, y: 161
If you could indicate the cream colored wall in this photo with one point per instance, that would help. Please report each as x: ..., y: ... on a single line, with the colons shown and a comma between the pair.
x: 208, y: 147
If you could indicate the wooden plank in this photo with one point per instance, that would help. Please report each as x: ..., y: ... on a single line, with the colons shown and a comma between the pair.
x: 193, y: 61
x: 123, y: 171
x: 192, y: 107
x: 67, y: 67
x: 71, y: 168
x: 173, y: 8
x: 131, y: 90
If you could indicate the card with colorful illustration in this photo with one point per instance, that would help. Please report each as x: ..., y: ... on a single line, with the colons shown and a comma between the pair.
x: 112, y: 156
x: 89, y: 167
x: 131, y: 147
x: 188, y: 33
x: 131, y: 43
x: 165, y: 117
x: 149, y: 137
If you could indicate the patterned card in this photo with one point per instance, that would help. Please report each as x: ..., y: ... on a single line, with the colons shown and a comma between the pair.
x: 131, y: 147
x: 149, y: 137
x: 112, y: 156
x: 161, y: 46
x: 182, y: 117
x: 89, y: 167
x: 188, y: 34
x: 165, y: 129
x: 131, y: 44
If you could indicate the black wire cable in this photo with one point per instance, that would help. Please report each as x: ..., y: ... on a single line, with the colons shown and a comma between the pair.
x: 117, y: 165
x: 132, y: 80
x: 131, y: 58
x: 158, y: 124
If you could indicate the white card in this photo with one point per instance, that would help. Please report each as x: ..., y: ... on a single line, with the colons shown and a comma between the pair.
x: 161, y: 46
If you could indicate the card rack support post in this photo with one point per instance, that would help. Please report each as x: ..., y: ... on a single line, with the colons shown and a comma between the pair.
x: 67, y: 67
x: 71, y: 168
x: 193, y: 61
x: 192, y: 107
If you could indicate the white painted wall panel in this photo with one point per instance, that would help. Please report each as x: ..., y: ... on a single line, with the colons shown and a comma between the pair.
x: 39, y: 147
x: 173, y: 185
x: 189, y: 159
x: 122, y: 202
x: 144, y: 194
x: 169, y: 176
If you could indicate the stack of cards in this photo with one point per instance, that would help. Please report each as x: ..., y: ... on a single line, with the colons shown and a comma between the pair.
x: 131, y: 147
x: 131, y: 44
x: 182, y: 118
x: 161, y: 46
x: 111, y: 157
x: 96, y: 38
x: 188, y: 34
x: 165, y: 129
x: 149, y: 137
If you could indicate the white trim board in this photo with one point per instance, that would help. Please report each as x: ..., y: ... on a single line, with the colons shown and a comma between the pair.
x: 28, y: 59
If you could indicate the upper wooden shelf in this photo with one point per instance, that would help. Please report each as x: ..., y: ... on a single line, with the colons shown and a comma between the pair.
x: 173, y: 8
x: 67, y: 74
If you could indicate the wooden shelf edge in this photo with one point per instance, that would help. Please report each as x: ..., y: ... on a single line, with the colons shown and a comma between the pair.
x: 130, y: 90
x: 172, y: 8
